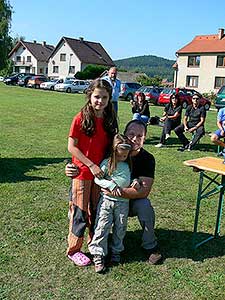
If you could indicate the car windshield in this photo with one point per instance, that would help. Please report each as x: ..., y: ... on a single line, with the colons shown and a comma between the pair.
x: 67, y: 81
x: 168, y: 91
x: 222, y: 90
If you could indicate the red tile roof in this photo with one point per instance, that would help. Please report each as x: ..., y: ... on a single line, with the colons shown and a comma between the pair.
x: 204, y: 44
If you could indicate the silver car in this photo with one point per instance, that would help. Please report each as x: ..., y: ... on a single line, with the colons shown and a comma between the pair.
x: 50, y: 85
x: 72, y: 86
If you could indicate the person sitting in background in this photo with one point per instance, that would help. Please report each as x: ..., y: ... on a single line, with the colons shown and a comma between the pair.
x: 140, y: 108
x: 171, y: 118
x: 220, y: 132
x: 193, y: 122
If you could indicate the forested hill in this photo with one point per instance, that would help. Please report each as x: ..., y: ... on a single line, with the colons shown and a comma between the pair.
x: 149, y: 64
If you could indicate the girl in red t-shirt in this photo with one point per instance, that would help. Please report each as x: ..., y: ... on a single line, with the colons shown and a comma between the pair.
x: 90, y: 136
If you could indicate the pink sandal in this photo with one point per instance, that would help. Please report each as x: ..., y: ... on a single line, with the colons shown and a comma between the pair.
x: 80, y: 259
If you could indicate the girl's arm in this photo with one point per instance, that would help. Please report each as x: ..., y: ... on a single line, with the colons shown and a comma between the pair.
x: 105, y: 184
x: 75, y: 151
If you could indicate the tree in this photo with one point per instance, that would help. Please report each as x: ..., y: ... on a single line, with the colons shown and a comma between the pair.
x: 90, y: 72
x: 5, y: 39
x: 145, y: 80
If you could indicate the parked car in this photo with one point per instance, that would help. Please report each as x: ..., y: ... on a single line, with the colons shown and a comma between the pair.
x: 151, y: 93
x: 24, y: 80
x: 13, y: 79
x: 50, y: 85
x: 72, y: 86
x: 128, y: 90
x: 220, y: 98
x: 35, y: 81
x: 185, y: 97
x: 1, y: 78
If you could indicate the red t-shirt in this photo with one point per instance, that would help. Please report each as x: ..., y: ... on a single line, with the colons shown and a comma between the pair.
x: 94, y: 147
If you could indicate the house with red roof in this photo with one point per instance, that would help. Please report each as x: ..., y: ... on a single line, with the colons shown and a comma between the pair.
x: 201, y: 63
x: 31, y: 57
x: 72, y: 55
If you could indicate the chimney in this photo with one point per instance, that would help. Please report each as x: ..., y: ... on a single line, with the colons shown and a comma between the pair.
x: 221, y: 33
x: 81, y: 38
x: 44, y: 43
x: 35, y: 41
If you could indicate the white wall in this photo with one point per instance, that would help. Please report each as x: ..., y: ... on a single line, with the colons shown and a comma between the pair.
x: 71, y: 60
x: 207, y: 71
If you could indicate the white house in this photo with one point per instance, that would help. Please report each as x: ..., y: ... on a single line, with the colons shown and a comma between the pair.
x: 31, y: 57
x: 73, y: 55
x: 201, y: 63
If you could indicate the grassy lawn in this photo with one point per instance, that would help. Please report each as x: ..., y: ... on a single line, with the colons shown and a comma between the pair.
x: 33, y: 212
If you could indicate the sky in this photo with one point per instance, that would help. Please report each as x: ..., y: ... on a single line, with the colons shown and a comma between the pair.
x: 125, y: 28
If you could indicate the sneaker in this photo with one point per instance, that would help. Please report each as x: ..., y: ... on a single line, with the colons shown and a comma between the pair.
x: 99, y: 263
x: 167, y: 136
x: 155, y: 257
x: 183, y: 148
x: 160, y: 145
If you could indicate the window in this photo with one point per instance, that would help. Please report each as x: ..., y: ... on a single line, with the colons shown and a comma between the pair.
x: 219, y: 81
x: 55, y: 69
x: 41, y: 70
x: 72, y: 69
x: 192, y: 81
x: 62, y: 57
x: 18, y: 58
x: 193, y: 61
x: 28, y: 58
x: 220, y: 61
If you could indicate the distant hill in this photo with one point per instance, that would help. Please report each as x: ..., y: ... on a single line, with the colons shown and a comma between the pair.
x: 149, y: 64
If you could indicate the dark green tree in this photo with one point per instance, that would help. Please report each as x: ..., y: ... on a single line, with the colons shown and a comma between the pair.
x: 5, y: 39
x: 91, y: 72
x: 145, y: 80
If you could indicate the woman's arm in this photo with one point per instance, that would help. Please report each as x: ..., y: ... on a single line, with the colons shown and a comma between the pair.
x: 175, y: 116
x: 132, y: 193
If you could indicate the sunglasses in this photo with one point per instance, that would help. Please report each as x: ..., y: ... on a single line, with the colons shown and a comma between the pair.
x: 195, y: 98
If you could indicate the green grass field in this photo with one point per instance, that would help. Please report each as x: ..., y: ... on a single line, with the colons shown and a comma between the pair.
x: 33, y: 212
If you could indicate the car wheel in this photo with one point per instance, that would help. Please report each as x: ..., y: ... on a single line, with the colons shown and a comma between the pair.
x: 185, y: 105
x: 207, y: 106
x: 129, y: 97
x: 37, y: 86
x: 52, y: 88
x: 68, y: 90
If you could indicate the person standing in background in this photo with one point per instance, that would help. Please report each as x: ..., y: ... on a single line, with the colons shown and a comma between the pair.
x: 115, y: 84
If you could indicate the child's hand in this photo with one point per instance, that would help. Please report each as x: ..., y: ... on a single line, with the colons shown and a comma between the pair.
x: 116, y: 191
x: 96, y: 171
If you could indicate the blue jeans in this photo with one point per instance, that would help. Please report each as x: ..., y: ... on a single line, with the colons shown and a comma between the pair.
x: 115, y: 106
x: 139, y: 117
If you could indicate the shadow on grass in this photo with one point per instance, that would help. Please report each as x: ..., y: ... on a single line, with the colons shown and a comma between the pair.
x: 174, y: 142
x: 174, y: 244
x: 15, y: 169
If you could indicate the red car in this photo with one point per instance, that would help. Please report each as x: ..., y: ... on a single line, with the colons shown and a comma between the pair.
x: 151, y: 93
x: 185, y: 97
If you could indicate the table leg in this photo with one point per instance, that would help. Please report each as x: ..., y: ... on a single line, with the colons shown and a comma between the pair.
x: 198, y: 206
x: 220, y: 207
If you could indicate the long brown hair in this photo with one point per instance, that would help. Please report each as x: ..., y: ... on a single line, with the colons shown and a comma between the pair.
x: 118, y: 139
x: 109, y: 116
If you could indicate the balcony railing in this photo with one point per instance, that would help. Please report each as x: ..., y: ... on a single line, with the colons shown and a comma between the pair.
x: 23, y: 63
